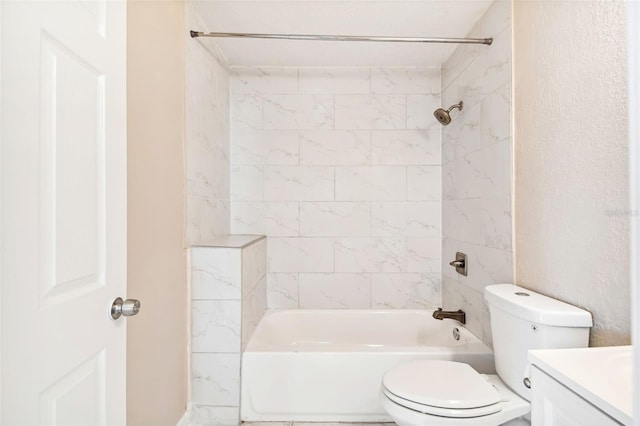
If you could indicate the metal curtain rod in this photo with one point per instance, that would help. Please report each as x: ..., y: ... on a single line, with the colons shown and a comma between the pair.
x: 486, y: 41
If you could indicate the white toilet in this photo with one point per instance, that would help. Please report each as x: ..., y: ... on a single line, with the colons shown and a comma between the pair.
x: 444, y: 393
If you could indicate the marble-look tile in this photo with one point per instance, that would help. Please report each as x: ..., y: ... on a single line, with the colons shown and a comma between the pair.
x: 200, y: 176
x: 214, y: 218
x: 206, y: 415
x: 329, y: 81
x: 448, y: 147
x: 405, y: 147
x: 298, y: 112
x: 246, y: 111
x: 405, y: 291
x: 215, y: 379
x: 424, y: 183
x: 264, y: 147
x: 335, y: 147
x: 206, y: 218
x: 247, y: 183
x: 420, y: 110
x: 215, y: 326
x: 463, y: 220
x: 459, y: 61
x: 486, y: 172
x: 282, y: 291
x: 495, y: 110
x: 456, y: 296
x: 496, y: 20
x: 254, y: 306
x: 215, y: 273
x: 275, y: 219
x: 254, y: 265
x: 486, y: 266
x: 463, y: 135
x: 381, y: 183
x: 411, y: 219
x: 495, y: 212
x: 300, y: 255
x: 423, y: 255
x: 322, y: 291
x: 206, y: 139
x: 450, y: 180
x: 449, y: 249
x: 266, y: 80
x: 370, y: 111
x: 370, y: 255
x: 192, y: 220
x: 298, y: 183
x: 484, y: 75
x: 405, y: 80
x: 335, y: 219
x: 476, y: 173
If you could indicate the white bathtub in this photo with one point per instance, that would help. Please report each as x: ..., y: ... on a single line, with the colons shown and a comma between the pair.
x: 327, y: 365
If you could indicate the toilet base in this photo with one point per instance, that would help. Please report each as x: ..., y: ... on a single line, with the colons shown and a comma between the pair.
x: 513, y: 407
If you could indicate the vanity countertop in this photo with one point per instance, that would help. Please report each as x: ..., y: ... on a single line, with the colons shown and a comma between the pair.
x: 602, y: 376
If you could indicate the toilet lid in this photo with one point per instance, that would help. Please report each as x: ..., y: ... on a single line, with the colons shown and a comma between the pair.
x: 453, y: 386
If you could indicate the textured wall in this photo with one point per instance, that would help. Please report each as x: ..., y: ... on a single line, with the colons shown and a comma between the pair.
x: 571, y: 158
x: 476, y: 168
x: 207, y: 135
x: 340, y: 168
x: 156, y: 342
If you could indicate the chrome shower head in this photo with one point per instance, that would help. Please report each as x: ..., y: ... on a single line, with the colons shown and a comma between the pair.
x: 443, y: 116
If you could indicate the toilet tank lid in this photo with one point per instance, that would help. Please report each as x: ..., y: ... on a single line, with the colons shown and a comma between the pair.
x: 535, y: 307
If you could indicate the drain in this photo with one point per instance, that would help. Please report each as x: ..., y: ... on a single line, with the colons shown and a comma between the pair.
x: 456, y: 333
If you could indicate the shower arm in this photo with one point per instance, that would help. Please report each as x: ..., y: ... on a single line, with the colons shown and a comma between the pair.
x: 458, y: 105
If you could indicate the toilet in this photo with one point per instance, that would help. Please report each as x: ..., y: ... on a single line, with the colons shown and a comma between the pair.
x: 434, y: 392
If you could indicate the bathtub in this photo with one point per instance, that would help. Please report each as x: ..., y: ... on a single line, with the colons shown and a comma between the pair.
x: 327, y: 365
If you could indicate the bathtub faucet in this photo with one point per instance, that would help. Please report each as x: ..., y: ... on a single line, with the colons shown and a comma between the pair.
x: 458, y: 315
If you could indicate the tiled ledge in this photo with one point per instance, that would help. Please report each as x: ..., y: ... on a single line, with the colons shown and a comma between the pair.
x: 231, y: 241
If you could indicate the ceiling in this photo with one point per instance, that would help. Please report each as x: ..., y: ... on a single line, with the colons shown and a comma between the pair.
x: 405, y: 18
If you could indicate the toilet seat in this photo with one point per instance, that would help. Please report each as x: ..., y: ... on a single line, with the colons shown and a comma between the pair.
x: 441, y: 388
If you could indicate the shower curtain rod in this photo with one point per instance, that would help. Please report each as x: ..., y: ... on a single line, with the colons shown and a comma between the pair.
x: 486, y: 41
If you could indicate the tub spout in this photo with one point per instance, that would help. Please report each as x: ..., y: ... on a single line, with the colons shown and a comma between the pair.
x: 458, y: 315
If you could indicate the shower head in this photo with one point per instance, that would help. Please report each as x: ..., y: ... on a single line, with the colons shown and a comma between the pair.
x: 443, y: 116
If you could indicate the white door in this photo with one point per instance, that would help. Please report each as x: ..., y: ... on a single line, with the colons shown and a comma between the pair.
x: 63, y: 211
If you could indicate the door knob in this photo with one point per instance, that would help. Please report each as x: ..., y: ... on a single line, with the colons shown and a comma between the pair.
x: 127, y: 308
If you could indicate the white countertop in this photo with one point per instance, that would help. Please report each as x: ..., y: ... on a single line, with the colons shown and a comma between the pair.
x: 602, y: 376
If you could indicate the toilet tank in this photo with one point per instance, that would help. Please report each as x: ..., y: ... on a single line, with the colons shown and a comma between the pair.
x: 522, y: 320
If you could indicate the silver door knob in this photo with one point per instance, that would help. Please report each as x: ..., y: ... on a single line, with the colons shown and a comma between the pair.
x: 125, y: 308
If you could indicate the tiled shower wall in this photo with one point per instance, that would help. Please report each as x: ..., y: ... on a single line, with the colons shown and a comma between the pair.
x: 207, y: 136
x: 476, y: 170
x: 340, y: 168
x: 228, y: 298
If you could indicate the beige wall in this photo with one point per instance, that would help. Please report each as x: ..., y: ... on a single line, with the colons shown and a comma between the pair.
x: 157, y: 339
x: 571, y: 203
